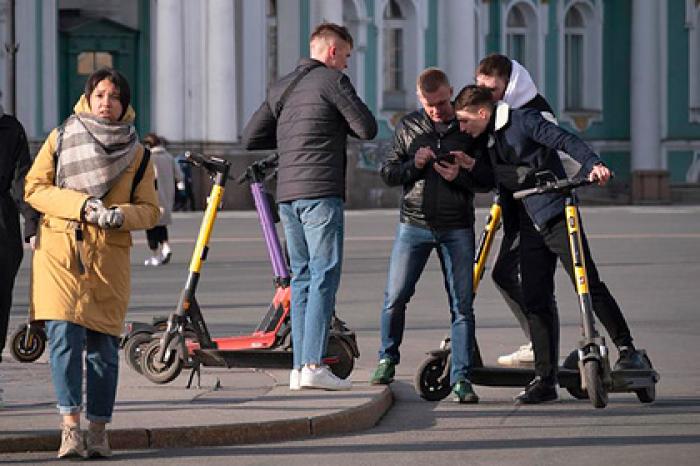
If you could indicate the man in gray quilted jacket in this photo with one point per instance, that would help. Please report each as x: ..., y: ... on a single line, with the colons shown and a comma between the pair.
x: 307, y: 116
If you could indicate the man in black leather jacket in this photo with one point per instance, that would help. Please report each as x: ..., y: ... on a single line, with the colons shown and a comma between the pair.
x: 437, y: 212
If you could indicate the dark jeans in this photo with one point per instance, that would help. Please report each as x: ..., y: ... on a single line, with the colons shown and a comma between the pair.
x: 538, y: 255
x: 157, y: 236
x: 10, y: 259
x: 506, y: 277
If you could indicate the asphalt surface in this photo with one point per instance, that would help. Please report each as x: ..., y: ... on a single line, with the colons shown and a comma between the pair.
x: 649, y: 256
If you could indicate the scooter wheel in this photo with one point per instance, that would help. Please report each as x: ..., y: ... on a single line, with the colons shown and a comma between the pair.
x: 647, y: 395
x: 28, y: 348
x: 338, y: 349
x: 134, y: 348
x: 594, y: 384
x: 157, y: 372
x: 431, y: 382
x: 571, y: 362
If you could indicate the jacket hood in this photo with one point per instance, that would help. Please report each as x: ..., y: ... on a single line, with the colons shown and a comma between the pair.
x: 83, y: 106
x: 521, y: 88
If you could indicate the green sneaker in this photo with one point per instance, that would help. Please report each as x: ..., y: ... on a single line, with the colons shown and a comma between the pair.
x: 384, y: 373
x: 464, y: 393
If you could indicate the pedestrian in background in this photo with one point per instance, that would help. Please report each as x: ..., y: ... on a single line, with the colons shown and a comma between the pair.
x: 184, y: 198
x: 168, y: 178
x: 84, y: 181
x: 14, y: 163
x: 307, y: 116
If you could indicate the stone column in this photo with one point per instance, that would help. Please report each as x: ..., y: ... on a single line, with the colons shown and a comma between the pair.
x: 169, y: 77
x: 255, y: 58
x: 330, y: 11
x: 457, y: 41
x: 649, y: 182
x: 222, y: 119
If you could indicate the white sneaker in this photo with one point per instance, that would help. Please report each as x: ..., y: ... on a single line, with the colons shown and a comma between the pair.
x: 523, y: 356
x: 152, y: 261
x: 322, y: 378
x: 295, y: 379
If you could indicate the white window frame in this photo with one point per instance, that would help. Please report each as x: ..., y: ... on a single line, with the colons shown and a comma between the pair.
x: 481, y: 28
x: 592, y: 12
x: 535, y: 14
x: 415, y: 24
x: 356, y: 20
x: 692, y: 23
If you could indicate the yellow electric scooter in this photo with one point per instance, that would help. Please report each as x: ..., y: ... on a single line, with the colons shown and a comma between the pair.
x: 586, y: 371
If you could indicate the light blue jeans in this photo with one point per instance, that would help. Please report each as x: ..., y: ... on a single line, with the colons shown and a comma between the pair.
x: 410, y: 253
x: 66, y: 344
x: 314, y: 232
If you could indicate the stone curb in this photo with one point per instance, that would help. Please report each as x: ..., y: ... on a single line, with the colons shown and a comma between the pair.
x: 348, y: 420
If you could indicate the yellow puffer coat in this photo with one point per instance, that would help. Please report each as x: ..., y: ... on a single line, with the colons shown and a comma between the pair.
x: 97, y: 298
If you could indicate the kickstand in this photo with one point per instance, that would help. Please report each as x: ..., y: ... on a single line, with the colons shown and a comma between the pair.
x: 196, y: 369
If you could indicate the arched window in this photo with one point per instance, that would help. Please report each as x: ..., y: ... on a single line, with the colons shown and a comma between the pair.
x: 521, y: 39
x: 574, y: 33
x: 694, y: 62
x: 394, y: 25
x: 581, y: 54
x: 355, y: 19
x: 271, y: 24
x: 516, y: 37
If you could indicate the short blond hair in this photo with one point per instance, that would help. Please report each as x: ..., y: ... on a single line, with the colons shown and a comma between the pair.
x: 431, y: 79
x: 332, y: 30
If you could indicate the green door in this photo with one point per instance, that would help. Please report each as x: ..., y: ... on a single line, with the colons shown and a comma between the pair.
x: 90, y: 46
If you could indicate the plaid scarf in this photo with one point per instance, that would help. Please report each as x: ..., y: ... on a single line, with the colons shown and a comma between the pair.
x: 94, y: 152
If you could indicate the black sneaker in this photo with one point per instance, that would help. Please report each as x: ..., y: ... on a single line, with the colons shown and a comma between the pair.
x: 537, y: 391
x: 629, y: 358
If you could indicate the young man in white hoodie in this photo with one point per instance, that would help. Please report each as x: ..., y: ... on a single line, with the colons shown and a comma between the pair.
x: 511, y: 83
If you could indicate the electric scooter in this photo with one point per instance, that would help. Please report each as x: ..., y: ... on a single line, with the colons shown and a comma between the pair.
x: 586, y: 371
x: 186, y: 340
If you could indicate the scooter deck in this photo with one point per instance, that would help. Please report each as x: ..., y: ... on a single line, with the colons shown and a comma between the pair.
x: 622, y: 380
x: 260, y: 358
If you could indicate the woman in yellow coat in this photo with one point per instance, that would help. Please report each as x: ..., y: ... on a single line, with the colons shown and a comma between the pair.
x: 82, y: 181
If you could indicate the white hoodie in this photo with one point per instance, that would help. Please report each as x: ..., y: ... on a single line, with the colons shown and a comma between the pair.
x: 520, y: 90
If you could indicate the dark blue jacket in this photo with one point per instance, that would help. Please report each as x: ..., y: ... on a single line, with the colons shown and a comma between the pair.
x: 525, y: 143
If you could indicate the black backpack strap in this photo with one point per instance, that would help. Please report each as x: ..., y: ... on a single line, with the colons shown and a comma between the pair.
x: 59, y: 143
x: 292, y: 85
x: 140, y: 171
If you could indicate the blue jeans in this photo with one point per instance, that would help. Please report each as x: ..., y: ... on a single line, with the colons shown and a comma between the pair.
x: 66, y: 344
x: 314, y: 232
x: 412, y: 248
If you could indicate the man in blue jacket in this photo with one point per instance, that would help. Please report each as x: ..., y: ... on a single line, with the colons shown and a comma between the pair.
x: 522, y: 142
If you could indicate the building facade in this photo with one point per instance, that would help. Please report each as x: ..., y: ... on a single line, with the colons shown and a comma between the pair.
x: 623, y: 74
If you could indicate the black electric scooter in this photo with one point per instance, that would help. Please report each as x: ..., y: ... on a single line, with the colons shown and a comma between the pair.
x: 586, y: 371
x: 186, y: 340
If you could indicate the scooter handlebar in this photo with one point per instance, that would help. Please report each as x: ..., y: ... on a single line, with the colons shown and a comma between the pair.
x: 551, y: 186
x: 195, y: 159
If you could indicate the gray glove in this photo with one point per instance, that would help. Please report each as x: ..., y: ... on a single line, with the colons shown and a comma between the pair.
x: 111, y: 218
x: 94, y: 211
